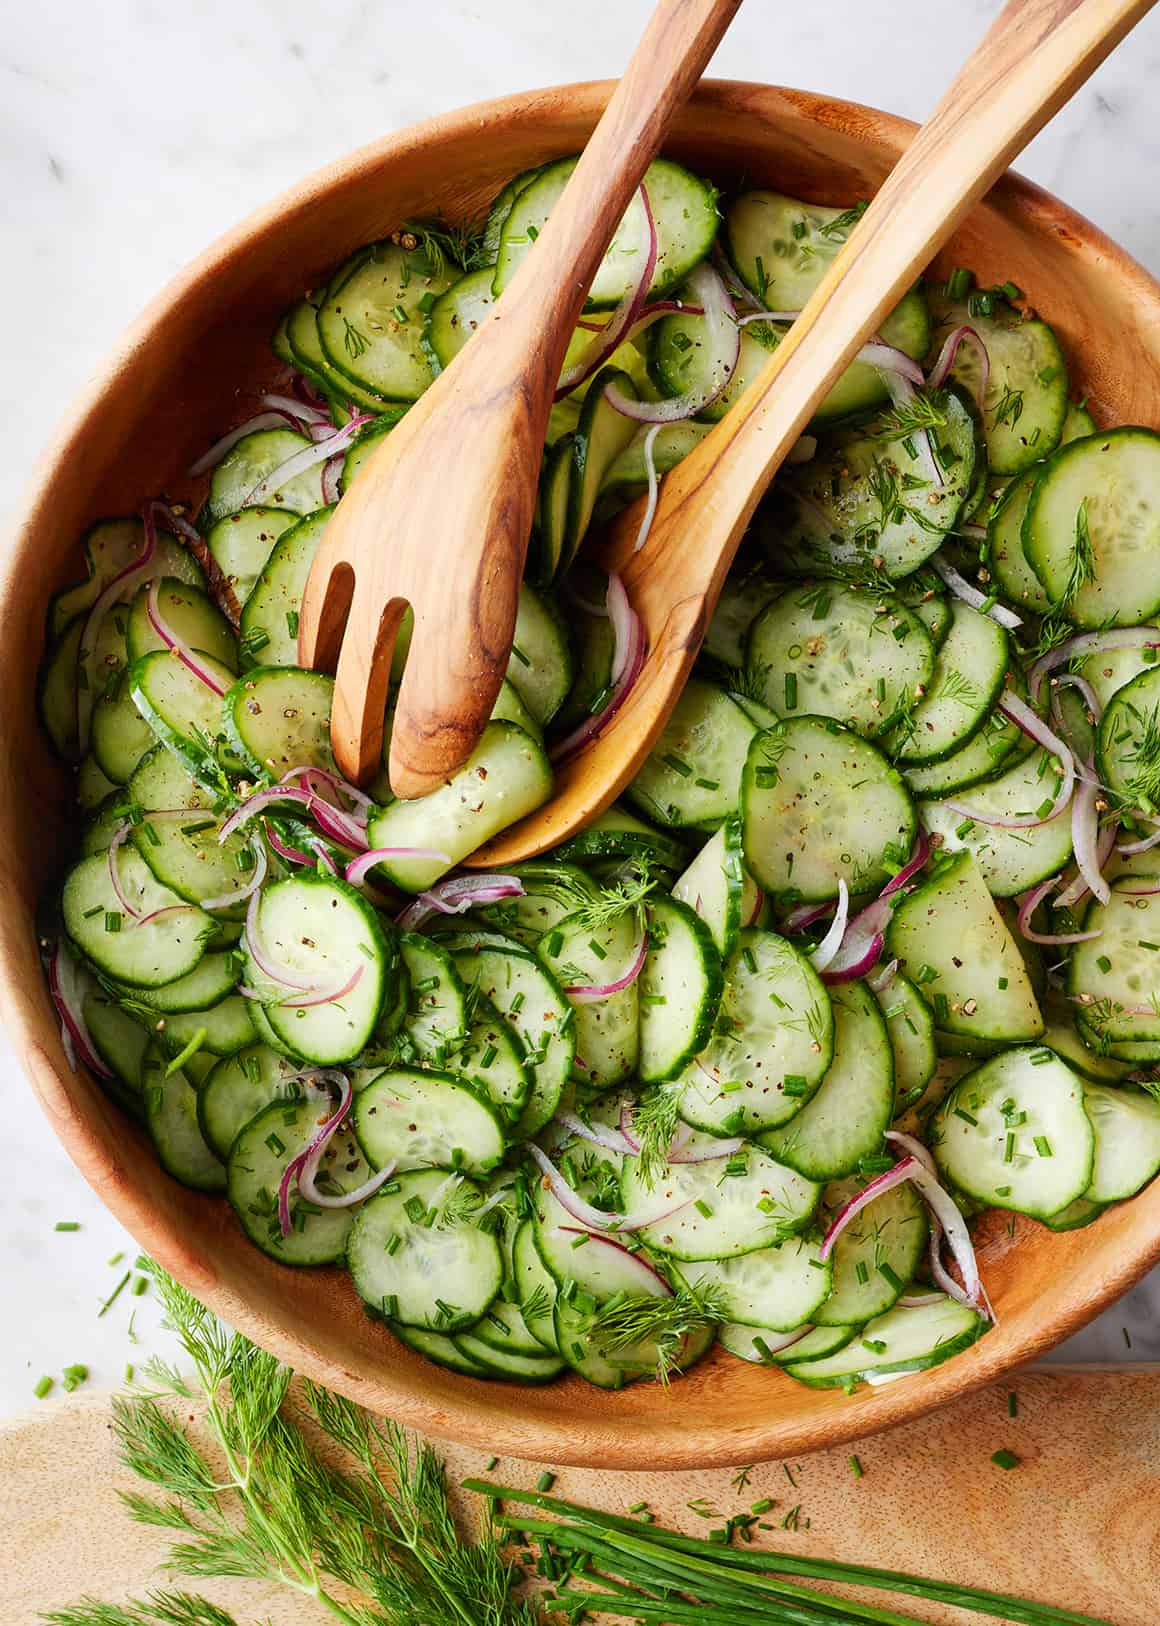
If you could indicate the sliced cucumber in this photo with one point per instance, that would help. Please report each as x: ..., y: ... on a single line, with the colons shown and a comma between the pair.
x: 679, y: 990
x: 1125, y: 748
x: 364, y: 444
x: 241, y: 543
x: 1126, y: 1123
x: 910, y: 1026
x: 778, y: 1288
x: 772, y: 1045
x: 171, y: 1118
x: 371, y: 319
x: 441, y: 1273
x: 278, y: 717
x: 238, y: 1088
x: 531, y: 1001
x: 995, y: 746
x: 843, y: 652
x: 1010, y: 860
x: 1113, y: 980
x: 426, y: 1119
x: 950, y: 939
x: 905, y: 1339
x: 693, y: 773
x: 441, y: 1350
x: 540, y: 665
x: 243, y: 471
x: 535, y: 1286
x: 821, y: 805
x: 109, y: 546
x: 875, y: 1256
x: 436, y: 1019
x: 456, y: 314
x: 969, y: 673
x: 1060, y: 1035
x: 269, y: 625
x: 618, y: 833
x: 607, y: 1029
x: 1092, y: 532
x: 185, y: 855
x: 506, y: 777
x: 146, y: 955
x: 121, y: 1043
x: 1014, y: 1134
x: 722, y: 1213
x: 341, y: 391
x: 717, y: 887
x: 847, y: 1117
x: 766, y: 1346
x: 211, y: 979
x: 182, y: 710
x: 509, y: 1365
x: 222, y: 1030
x: 602, y: 434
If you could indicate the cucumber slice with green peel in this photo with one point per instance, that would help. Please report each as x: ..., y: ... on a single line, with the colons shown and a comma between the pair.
x: 189, y: 613
x: 535, y: 1286
x: 846, y: 653
x: 905, y: 1339
x: 780, y: 247
x: 509, y: 708
x: 1113, y: 981
x: 210, y: 980
x: 692, y: 776
x: 1010, y: 860
x: 772, y: 1045
x: 1138, y: 1052
x: 222, y: 1030
x: 619, y: 833
x: 1006, y: 558
x: 340, y: 390
x: 764, y: 1347
x: 121, y: 1043
x: 679, y: 990
x: 250, y: 462
x: 440, y: 1350
x: 717, y: 888
x: 845, y: 1119
x: 185, y: 855
x: 994, y: 747
x: 170, y: 1102
x: 745, y: 594
x: 98, y: 833
x: 607, y: 1030
x: 540, y: 664
x: 1026, y: 402
x: 1075, y: 1217
x: 552, y: 892
x: 932, y: 607
x: 500, y: 209
x: 269, y: 626
x: 628, y: 475
x: 92, y: 784
x: 951, y: 941
x: 423, y: 1119
x: 594, y: 642
x: 182, y: 710
x: 456, y: 314
x: 506, y: 777
x: 602, y: 434
x: 372, y: 316
x: 1113, y: 669
x: 238, y: 1088
x: 278, y: 717
x: 259, y: 1156
x: 551, y: 535
x: 819, y: 805
x: 684, y: 211
x: 1061, y: 1036
x: 599, y: 1266
x: 243, y: 542
x: 970, y: 671
x: 867, y: 502
x: 777, y: 1288
x: 161, y: 781
x: 1128, y: 743
x: 724, y: 1213
x: 436, y: 1019
x: 875, y: 1256
x: 440, y: 1275
x: 144, y: 955
x: 1126, y: 1123
x: 327, y: 934
x: 508, y: 1365
x: 57, y: 694
x: 577, y: 1343
x: 365, y: 442
x: 531, y: 1001
x: 1013, y: 1133
x: 1092, y: 532
x: 910, y: 1028
x: 109, y: 546
x: 118, y: 733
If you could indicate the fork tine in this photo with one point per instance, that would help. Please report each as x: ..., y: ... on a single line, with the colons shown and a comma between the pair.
x: 362, y: 684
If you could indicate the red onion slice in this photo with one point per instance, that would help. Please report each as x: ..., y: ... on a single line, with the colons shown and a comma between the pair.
x: 722, y: 339
x: 588, y: 993
x: 880, y: 980
x: 612, y: 1140
x: 1129, y: 849
x: 832, y: 941
x: 305, y: 411
x: 331, y: 475
x: 766, y: 316
x: 961, y: 588
x: 317, y: 1141
x: 120, y: 836
x: 66, y: 989
x: 918, y: 857
x: 627, y: 660
x: 650, y: 507
x: 681, y: 1153
x: 626, y: 1128
x: 129, y: 576
x: 859, y: 953
x: 1021, y: 714
x: 1090, y: 643
x: 853, y: 1206
x: 261, y: 866
x: 1085, y: 830
x: 307, y: 458
x: 264, y: 959
x: 650, y: 1278
x: 457, y: 894
x: 803, y: 915
x: 159, y: 914
x: 590, y: 1217
x: 258, y: 802
x: 616, y: 329
x: 887, y: 359
x: 941, y: 370
x: 293, y: 855
x: 174, y: 644
x: 1028, y: 904
x: 359, y: 868
x: 277, y: 418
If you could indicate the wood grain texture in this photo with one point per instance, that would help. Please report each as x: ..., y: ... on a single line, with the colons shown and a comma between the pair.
x: 1035, y: 55
x: 1077, y: 1524
x: 186, y: 371
x: 441, y: 514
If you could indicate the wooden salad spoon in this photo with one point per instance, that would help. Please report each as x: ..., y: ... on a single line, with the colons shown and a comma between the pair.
x: 1032, y: 59
x: 442, y: 511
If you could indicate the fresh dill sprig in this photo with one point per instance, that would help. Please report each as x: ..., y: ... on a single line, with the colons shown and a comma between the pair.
x: 158, y: 1609
x: 667, y: 1323
x: 1142, y: 789
x: 654, y: 1124
x: 841, y: 225
x: 925, y: 410
x: 440, y: 242
x: 629, y: 894
x: 1083, y: 558
x: 1009, y: 407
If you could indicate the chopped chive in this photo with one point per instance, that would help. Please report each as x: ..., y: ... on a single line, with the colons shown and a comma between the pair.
x: 140, y: 1285
x: 703, y: 1208
x: 1043, y: 1146
x: 678, y: 765
x: 638, y: 1507
x: 112, y: 920
x: 545, y: 1481
x: 961, y: 1112
x: 1005, y: 1459
x: 67, y: 1225
x: 855, y: 1467
x: 762, y: 1506
x: 115, y: 1294
x: 791, y: 691
x: 42, y: 1387
x: 491, y: 1465
x: 1104, y: 963
x: 1012, y: 1404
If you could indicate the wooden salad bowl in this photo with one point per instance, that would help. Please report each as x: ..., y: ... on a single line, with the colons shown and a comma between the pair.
x: 183, y: 373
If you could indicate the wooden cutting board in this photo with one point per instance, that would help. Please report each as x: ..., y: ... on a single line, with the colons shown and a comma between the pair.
x: 1076, y: 1524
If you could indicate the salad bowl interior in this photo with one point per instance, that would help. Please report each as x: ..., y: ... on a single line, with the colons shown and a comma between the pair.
x: 198, y: 353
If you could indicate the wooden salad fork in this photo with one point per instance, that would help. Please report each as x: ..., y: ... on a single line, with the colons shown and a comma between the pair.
x: 1030, y: 62
x: 442, y: 511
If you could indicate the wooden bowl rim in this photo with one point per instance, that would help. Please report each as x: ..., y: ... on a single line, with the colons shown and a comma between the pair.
x: 491, y: 1421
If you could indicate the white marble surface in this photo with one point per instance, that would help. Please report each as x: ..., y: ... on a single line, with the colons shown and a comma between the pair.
x: 132, y: 132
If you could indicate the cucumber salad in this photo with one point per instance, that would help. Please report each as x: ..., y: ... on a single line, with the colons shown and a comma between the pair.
x: 868, y: 947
